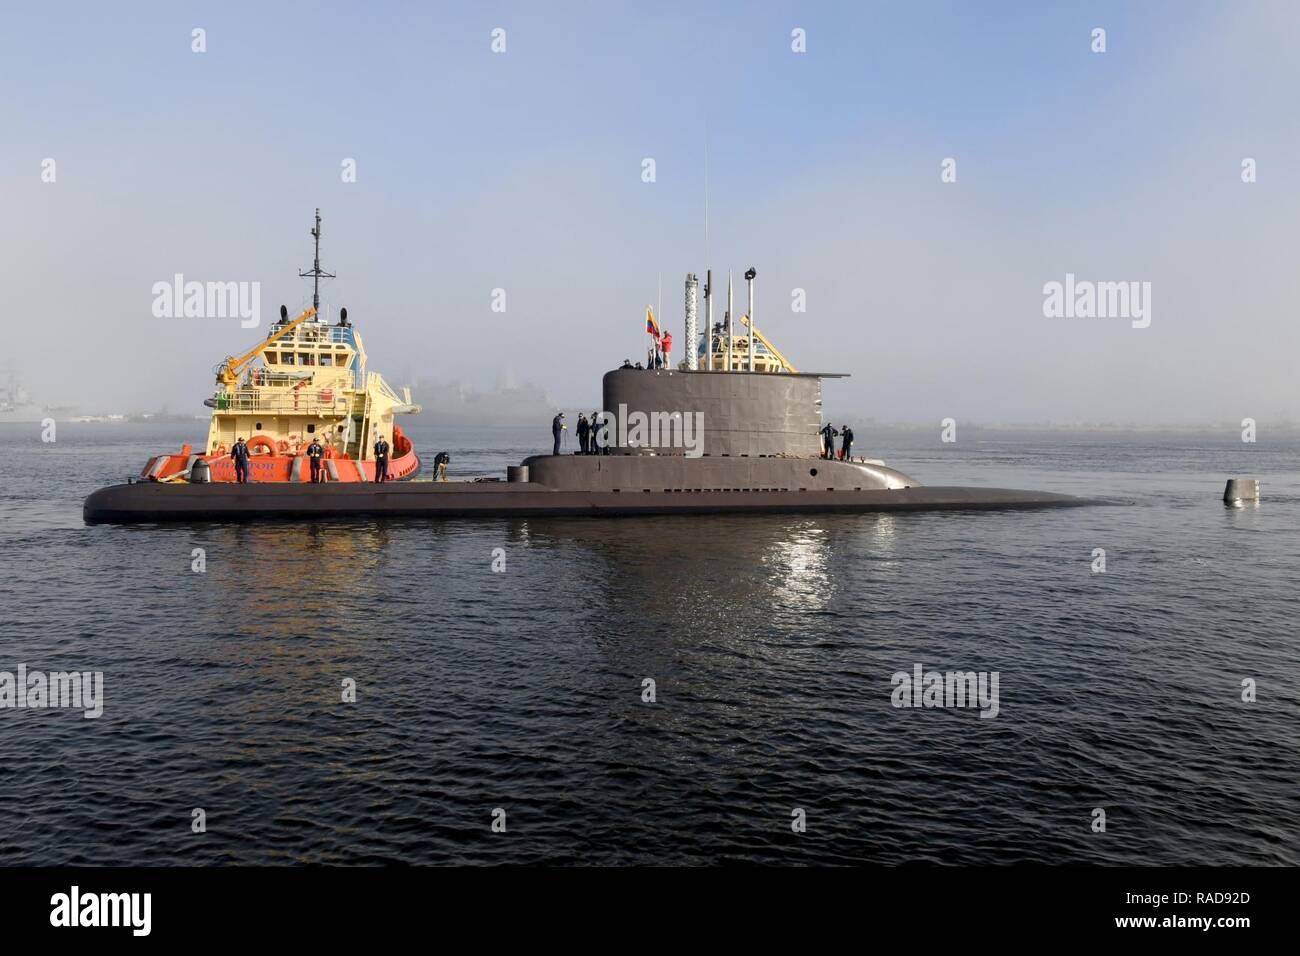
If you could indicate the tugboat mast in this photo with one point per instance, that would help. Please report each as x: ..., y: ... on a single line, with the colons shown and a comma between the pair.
x: 316, y: 273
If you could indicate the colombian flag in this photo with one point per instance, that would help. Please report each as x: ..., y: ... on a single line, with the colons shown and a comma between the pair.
x: 651, y: 325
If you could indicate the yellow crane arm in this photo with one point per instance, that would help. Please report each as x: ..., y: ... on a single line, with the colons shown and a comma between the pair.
x: 744, y: 320
x: 228, y: 372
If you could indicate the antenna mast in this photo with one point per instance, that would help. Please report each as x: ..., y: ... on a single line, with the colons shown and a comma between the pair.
x: 707, y: 261
x: 316, y: 273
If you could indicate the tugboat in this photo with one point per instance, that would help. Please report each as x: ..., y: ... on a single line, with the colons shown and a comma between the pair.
x: 734, y: 428
x: 307, y: 380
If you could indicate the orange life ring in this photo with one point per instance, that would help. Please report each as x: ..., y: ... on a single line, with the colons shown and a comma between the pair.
x: 282, y: 446
x: 261, y: 441
x: 221, y: 451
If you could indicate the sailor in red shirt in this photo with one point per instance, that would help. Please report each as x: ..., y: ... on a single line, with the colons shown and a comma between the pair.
x: 667, y: 345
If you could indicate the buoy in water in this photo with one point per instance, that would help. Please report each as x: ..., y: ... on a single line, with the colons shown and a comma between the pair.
x: 1241, y: 489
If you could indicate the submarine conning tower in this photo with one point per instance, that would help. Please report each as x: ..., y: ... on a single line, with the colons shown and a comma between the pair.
x: 747, y: 420
x: 699, y: 431
x: 739, y: 414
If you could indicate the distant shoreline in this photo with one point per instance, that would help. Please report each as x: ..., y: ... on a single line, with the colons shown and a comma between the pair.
x: 860, y: 424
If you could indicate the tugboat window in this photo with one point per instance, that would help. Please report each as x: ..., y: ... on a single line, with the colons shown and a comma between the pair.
x: 310, y: 429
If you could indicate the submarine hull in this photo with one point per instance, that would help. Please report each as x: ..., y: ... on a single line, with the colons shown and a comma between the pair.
x: 155, y: 502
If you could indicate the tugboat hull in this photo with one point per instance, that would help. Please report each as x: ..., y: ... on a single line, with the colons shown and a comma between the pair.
x: 282, y: 468
x: 155, y: 502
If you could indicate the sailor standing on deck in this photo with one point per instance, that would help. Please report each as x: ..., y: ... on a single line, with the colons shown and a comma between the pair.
x: 314, y: 454
x: 828, y: 436
x: 593, y: 441
x: 557, y: 426
x: 381, y: 460
x: 240, y: 455
x: 584, y: 433
x: 846, y: 444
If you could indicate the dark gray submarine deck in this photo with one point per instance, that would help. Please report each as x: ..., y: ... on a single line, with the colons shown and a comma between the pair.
x: 155, y: 502
x: 752, y: 447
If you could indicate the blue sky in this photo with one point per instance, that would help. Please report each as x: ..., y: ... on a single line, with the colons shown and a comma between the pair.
x: 522, y: 171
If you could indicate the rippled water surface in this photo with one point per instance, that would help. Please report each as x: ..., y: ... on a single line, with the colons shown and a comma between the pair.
x: 771, y: 641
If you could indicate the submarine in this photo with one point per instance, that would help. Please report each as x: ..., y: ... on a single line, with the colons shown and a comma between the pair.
x: 734, y: 428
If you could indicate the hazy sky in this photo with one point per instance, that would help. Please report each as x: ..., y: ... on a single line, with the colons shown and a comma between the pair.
x: 523, y: 171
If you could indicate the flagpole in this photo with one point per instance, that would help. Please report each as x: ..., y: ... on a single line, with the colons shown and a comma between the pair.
x: 652, y: 330
x: 731, y: 321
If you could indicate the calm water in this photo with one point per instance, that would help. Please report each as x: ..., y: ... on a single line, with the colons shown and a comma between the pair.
x: 772, y: 641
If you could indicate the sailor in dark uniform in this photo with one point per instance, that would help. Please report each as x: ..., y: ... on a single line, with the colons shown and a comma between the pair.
x: 440, y: 463
x: 584, y: 432
x: 381, y: 460
x: 828, y: 436
x: 240, y: 455
x: 314, y: 454
x: 557, y: 426
x: 592, y: 442
x: 846, y: 443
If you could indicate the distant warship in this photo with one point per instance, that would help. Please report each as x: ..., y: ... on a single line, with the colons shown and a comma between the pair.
x: 16, y: 404
x: 735, y: 428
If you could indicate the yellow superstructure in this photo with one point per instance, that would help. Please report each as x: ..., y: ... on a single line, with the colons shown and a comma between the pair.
x: 766, y: 356
x: 311, y: 382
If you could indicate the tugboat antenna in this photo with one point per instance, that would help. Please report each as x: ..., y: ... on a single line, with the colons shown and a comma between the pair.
x: 316, y: 273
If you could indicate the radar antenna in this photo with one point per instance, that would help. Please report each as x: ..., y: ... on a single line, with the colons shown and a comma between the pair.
x: 315, y: 273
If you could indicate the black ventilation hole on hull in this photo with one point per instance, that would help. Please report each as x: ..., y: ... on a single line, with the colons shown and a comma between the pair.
x: 813, y: 472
